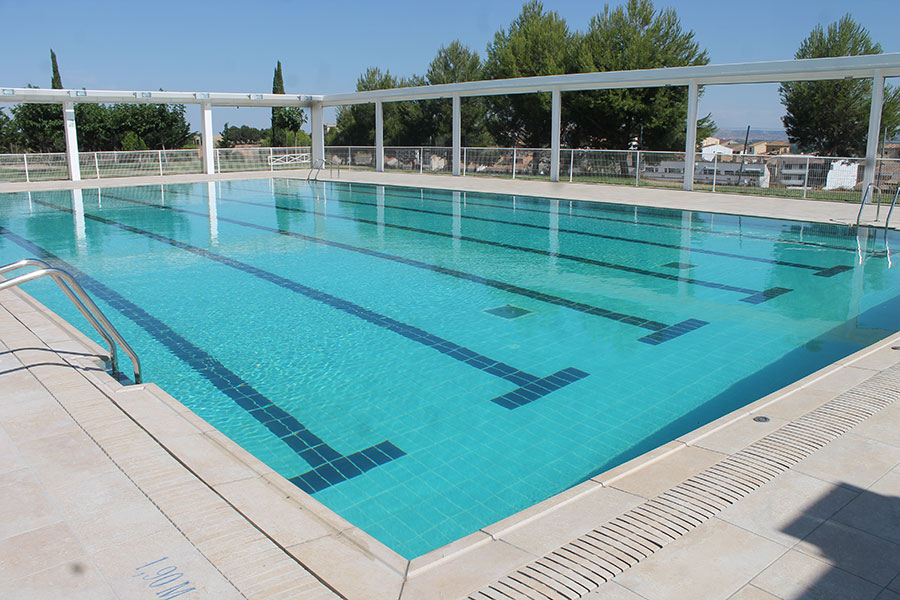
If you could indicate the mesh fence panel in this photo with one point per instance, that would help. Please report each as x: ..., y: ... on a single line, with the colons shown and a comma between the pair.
x: 47, y: 167
x: 490, y: 161
x: 601, y: 166
x: 661, y: 169
x: 12, y: 168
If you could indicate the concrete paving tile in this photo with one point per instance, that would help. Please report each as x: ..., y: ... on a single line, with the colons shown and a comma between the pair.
x: 23, y: 504
x: 843, y: 379
x: 895, y: 584
x: 74, y: 581
x: 37, y: 420
x: 713, y: 561
x: 872, y: 558
x: 882, y: 426
x: 888, y: 595
x: 10, y: 459
x: 876, y: 510
x: 655, y: 478
x: 278, y: 516
x: 751, y: 592
x: 156, y: 417
x: 130, y: 568
x: 560, y: 526
x: 881, y: 359
x: 351, y: 572
x: 208, y: 460
x: 839, y: 461
x: 796, y: 575
x: 787, y: 508
x: 612, y: 591
x: 737, y: 435
x: 39, y: 549
x: 56, y: 457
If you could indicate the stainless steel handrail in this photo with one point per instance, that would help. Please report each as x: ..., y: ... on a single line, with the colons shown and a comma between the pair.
x: 317, y: 166
x: 887, y: 219
x: 73, y: 290
x: 862, y: 204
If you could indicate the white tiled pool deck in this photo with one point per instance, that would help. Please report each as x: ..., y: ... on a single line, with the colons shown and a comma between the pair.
x: 111, y: 491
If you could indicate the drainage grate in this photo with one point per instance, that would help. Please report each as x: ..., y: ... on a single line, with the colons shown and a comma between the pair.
x: 582, y: 565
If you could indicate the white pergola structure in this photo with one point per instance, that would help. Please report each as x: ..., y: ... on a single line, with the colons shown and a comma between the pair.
x: 875, y: 67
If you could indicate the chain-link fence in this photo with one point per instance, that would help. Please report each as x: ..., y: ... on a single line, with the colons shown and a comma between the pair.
x: 794, y: 176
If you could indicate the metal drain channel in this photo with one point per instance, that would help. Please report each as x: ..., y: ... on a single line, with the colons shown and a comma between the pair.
x: 585, y: 563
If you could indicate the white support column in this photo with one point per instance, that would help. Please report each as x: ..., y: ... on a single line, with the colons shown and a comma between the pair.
x: 206, y: 140
x: 874, y: 129
x: 690, y: 144
x: 317, y: 131
x: 457, y: 135
x: 71, y: 132
x: 555, y: 120
x: 379, y: 136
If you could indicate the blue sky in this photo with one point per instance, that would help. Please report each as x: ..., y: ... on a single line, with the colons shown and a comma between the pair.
x: 324, y: 46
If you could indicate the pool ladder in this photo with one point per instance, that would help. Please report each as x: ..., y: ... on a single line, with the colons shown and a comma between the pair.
x: 319, y: 165
x: 73, y: 290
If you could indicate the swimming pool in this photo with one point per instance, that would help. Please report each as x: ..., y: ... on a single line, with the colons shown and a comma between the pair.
x: 427, y: 362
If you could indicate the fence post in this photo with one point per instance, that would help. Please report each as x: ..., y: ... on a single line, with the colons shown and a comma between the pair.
x: 806, y: 178
x: 637, y: 168
x: 715, y: 169
x: 96, y: 165
x: 349, y: 158
x: 571, y: 163
x: 421, y: 160
x: 25, y: 160
x: 271, y: 159
x: 514, y: 163
x: 464, y: 162
x: 159, y: 156
x: 218, y: 168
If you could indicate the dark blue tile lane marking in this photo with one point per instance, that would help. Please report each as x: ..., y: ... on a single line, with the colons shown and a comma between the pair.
x: 451, y: 349
x: 821, y: 271
x: 508, y: 311
x: 589, y: 261
x: 765, y: 295
x: 592, y: 205
x: 500, y: 285
x: 311, y: 448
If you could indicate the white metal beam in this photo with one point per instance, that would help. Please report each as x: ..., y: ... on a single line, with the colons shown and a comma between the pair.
x: 317, y: 129
x: 71, y: 133
x: 379, y: 136
x: 206, y: 140
x: 810, y: 69
x: 457, y: 135
x: 690, y: 143
x: 142, y: 97
x: 555, y: 121
x: 874, y: 129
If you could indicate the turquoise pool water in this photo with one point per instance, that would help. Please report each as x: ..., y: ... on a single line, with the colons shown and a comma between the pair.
x: 427, y: 362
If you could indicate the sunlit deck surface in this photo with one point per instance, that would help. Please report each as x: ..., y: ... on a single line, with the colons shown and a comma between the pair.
x: 107, y: 487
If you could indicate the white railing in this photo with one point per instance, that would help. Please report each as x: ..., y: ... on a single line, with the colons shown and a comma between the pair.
x: 800, y: 176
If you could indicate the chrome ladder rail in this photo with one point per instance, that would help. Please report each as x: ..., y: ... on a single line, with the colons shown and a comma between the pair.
x: 887, y: 219
x: 317, y: 166
x: 862, y: 204
x: 73, y: 290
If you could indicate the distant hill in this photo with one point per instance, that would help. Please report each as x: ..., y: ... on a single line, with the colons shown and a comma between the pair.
x: 756, y: 135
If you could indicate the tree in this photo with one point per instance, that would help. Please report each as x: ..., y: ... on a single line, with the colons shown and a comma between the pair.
x: 157, y: 126
x: 404, y: 122
x: 832, y: 117
x: 9, y: 134
x: 635, y: 36
x: 55, y: 79
x: 536, y: 43
x: 286, y: 121
x: 453, y: 64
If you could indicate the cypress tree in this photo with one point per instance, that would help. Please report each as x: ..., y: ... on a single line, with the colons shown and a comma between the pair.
x: 277, y: 88
x: 55, y: 80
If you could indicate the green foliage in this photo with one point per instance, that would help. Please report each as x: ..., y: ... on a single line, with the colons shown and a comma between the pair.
x: 55, y: 79
x: 131, y: 141
x: 831, y: 117
x: 405, y: 123
x: 243, y: 135
x: 9, y: 134
x: 40, y: 127
x: 94, y: 129
x: 286, y: 121
x: 635, y: 36
x: 536, y: 43
x: 159, y: 126
x: 452, y: 64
